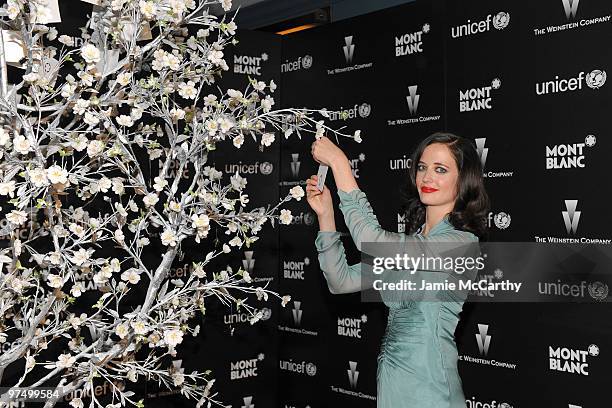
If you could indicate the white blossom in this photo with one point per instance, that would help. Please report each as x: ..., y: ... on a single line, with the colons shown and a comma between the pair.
x: 90, y: 53
x: 285, y: 217
x: 80, y: 257
x: 81, y: 106
x: 21, y: 144
x: 168, y: 237
x: 57, y: 175
x: 173, y: 337
x: 4, y: 137
x: 267, y: 139
x: 122, y: 330
x: 55, y: 281
x: 187, y: 90
x: 131, y: 276
x: 91, y: 118
x: 297, y: 192
x: 148, y: 9
x: 17, y: 217
x: 7, y: 188
x: 38, y: 177
x: 125, y: 120
x: 159, y: 183
x: 65, y: 361
x: 95, y: 147
x: 238, y: 141
x: 150, y: 199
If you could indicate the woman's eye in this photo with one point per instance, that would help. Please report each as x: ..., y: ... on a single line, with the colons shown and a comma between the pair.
x: 441, y: 170
x: 420, y: 167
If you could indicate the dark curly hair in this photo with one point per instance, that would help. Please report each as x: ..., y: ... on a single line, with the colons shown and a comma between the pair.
x: 472, y: 203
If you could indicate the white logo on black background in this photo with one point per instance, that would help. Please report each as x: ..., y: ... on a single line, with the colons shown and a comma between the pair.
x: 295, y: 269
x: 483, y: 339
x: 249, y: 65
x: 351, y: 327
x: 363, y: 110
x: 597, y: 290
x: 245, y: 368
x: 248, y: 262
x: 349, y: 49
x: 297, y: 313
x: 571, y: 217
x: 248, y: 402
x: 473, y: 403
x: 570, y: 7
x: 594, y: 80
x: 474, y: 99
x: 483, y: 153
x: 401, y: 222
x: 353, y: 374
x: 568, y: 156
x: 500, y: 21
x: 295, y: 165
x: 413, y: 99
x: 410, y: 43
x: 304, y: 62
x: 402, y: 163
x: 303, y: 218
x: 301, y: 368
x: 265, y: 168
x: 501, y: 220
x: 572, y: 361
x: 482, y: 150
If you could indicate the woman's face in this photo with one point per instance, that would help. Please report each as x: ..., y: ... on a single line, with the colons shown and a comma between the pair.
x: 437, y: 176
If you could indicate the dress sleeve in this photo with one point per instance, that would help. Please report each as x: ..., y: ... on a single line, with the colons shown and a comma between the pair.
x: 340, y: 276
x: 365, y: 229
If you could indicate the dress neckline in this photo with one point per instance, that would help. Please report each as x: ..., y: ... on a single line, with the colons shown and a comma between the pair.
x: 442, y: 224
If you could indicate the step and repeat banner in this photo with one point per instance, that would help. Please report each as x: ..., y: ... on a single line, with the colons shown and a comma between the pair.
x: 526, y: 81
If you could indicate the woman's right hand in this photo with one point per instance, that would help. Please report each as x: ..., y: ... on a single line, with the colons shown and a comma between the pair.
x: 319, y: 201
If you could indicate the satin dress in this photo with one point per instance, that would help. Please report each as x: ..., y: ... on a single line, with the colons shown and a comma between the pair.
x: 417, y: 364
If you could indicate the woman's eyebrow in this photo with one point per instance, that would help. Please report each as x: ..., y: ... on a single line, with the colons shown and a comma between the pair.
x: 441, y: 164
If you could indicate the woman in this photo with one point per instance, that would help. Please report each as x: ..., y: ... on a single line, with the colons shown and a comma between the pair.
x: 417, y: 365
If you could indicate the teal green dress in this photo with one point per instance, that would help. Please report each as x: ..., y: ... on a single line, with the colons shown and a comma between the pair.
x: 417, y: 364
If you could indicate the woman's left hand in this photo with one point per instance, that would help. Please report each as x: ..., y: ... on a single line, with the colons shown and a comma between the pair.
x: 326, y: 152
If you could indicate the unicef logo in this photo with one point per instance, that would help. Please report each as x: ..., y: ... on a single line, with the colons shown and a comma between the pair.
x: 598, y: 290
x: 307, y: 61
x: 596, y: 79
x: 266, y: 168
x: 502, y: 220
x: 501, y: 20
x: 364, y: 110
x: 311, y: 369
x: 266, y: 313
x: 309, y: 218
x: 593, y: 350
x: 590, y: 140
x: 505, y: 405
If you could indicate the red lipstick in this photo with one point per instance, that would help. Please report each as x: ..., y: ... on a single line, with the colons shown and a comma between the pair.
x: 428, y: 189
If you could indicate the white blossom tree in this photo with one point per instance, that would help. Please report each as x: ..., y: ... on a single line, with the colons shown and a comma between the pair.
x: 78, y: 131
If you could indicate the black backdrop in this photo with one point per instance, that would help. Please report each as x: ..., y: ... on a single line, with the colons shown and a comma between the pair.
x: 400, y: 74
